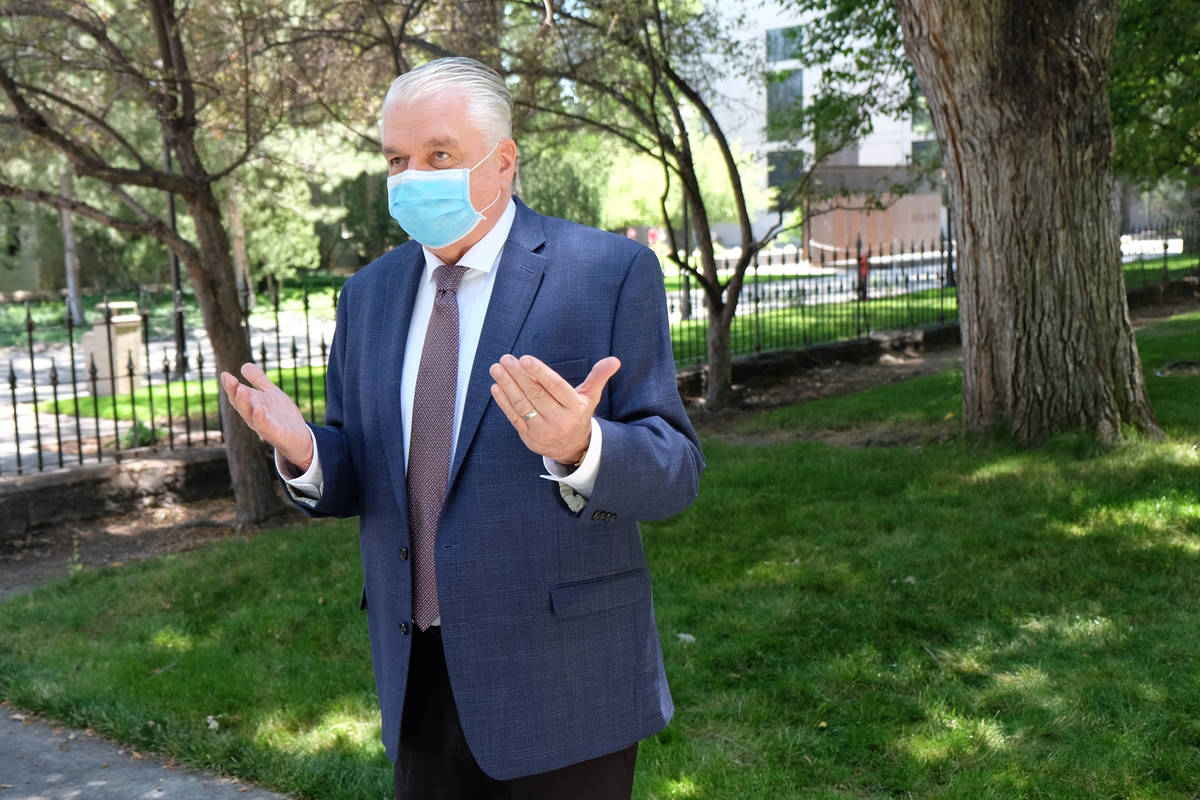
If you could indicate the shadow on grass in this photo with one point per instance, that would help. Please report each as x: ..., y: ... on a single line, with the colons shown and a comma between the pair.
x: 943, y: 622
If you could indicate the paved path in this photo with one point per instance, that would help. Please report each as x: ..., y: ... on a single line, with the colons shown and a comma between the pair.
x: 39, y: 761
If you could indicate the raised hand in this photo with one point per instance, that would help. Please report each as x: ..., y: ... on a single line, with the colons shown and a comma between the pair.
x: 552, y: 417
x: 271, y: 414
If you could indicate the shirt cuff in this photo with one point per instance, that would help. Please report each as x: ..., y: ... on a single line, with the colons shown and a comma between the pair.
x: 581, y: 479
x: 311, y: 484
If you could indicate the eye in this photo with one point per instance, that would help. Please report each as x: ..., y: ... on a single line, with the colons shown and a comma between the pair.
x: 396, y: 162
x: 440, y: 156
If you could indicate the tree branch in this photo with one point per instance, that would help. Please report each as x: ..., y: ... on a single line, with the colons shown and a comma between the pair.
x: 150, y: 226
x: 86, y: 162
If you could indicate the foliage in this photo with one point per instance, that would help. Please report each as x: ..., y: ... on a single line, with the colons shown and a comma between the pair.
x: 1155, y: 92
x: 566, y: 173
x: 636, y: 186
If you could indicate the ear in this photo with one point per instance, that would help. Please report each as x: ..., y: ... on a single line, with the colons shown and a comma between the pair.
x: 507, y: 151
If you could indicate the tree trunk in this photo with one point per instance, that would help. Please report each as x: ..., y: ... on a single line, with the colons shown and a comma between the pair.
x: 70, y: 256
x: 1018, y: 95
x: 216, y: 293
x: 241, y: 260
x: 718, y: 389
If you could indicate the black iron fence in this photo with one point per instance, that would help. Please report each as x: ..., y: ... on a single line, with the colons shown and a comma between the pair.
x: 124, y: 383
x: 788, y: 301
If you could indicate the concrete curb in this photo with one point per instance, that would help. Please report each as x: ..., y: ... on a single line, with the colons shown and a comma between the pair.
x: 41, y: 761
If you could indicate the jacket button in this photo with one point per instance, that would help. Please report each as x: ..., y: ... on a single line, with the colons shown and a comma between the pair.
x: 404, y: 628
x: 403, y: 554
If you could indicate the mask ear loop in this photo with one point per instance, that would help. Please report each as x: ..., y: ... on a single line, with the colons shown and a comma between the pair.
x: 498, y: 191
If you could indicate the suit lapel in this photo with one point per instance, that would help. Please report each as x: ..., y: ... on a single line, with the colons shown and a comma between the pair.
x: 401, y: 289
x: 517, y: 282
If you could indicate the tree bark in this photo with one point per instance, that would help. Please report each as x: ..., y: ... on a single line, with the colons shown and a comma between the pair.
x: 241, y: 260
x: 213, y: 280
x: 1018, y: 95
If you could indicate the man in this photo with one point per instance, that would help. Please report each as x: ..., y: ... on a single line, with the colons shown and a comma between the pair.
x: 512, y: 631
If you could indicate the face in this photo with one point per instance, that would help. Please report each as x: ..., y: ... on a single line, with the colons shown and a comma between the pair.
x: 434, y: 132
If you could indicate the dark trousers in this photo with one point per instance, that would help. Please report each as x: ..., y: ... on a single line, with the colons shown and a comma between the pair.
x: 434, y: 762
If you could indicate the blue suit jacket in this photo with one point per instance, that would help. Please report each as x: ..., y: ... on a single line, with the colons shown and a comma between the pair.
x: 547, y: 622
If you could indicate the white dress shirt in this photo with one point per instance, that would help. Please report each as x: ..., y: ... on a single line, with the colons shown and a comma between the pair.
x: 473, y: 296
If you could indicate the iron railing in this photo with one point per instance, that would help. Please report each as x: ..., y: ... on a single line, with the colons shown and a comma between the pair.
x: 75, y: 399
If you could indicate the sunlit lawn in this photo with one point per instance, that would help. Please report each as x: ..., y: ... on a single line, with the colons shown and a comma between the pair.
x: 940, y: 618
x: 1152, y: 270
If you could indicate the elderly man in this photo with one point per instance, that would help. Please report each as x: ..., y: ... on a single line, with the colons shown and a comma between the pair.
x: 512, y: 630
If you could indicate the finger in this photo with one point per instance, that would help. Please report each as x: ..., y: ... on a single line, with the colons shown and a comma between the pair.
x: 536, y: 393
x: 505, y: 375
x: 594, y: 383
x: 239, y: 397
x: 506, y: 406
x: 547, y: 380
x: 258, y: 379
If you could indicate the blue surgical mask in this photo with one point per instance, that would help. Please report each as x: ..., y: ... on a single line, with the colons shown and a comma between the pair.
x: 434, y: 206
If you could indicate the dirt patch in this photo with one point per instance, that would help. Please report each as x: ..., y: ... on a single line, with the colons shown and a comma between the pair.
x: 833, y: 380
x: 113, y: 540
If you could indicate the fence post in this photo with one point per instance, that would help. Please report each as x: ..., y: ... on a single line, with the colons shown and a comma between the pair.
x: 166, y: 366
x: 57, y: 420
x: 74, y: 384
x: 37, y: 418
x: 93, y: 373
x: 187, y: 411
x: 1166, y: 263
x: 149, y: 371
x: 134, y: 439
x: 312, y: 400
x: 203, y: 397
x: 758, y: 305
x: 12, y: 387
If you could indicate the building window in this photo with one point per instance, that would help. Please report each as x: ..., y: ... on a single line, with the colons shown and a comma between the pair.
x: 926, y: 153
x: 922, y: 121
x: 783, y: 44
x: 785, y: 96
x: 785, y: 168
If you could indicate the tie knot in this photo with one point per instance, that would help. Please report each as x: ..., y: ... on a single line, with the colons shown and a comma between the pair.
x: 448, y: 277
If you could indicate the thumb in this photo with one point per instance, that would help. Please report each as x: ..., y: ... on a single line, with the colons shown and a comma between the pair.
x: 594, y: 383
x: 257, y: 378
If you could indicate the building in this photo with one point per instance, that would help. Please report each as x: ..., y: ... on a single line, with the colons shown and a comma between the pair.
x: 882, y: 159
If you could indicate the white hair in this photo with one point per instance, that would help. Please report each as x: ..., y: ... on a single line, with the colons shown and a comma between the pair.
x: 489, y: 103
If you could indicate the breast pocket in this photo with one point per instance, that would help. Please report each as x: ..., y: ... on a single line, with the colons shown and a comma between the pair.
x: 573, y: 372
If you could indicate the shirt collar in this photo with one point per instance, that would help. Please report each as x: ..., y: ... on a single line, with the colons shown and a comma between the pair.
x: 485, y: 253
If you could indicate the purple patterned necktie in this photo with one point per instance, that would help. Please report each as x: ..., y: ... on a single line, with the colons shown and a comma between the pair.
x: 429, y: 448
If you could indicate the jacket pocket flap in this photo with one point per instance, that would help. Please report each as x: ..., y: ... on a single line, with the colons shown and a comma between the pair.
x: 573, y: 372
x: 597, y: 594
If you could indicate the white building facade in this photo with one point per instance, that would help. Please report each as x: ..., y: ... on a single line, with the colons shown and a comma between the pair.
x: 743, y: 105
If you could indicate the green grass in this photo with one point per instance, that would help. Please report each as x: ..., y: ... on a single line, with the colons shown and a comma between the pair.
x: 1150, y: 271
x: 293, y: 380
x: 950, y: 619
x: 815, y: 323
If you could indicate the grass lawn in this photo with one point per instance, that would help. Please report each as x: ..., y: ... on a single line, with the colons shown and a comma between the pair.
x: 813, y: 322
x: 1150, y: 270
x: 946, y: 618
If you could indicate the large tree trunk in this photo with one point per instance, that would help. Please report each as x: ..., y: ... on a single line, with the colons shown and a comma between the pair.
x: 216, y: 293
x: 1018, y: 95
